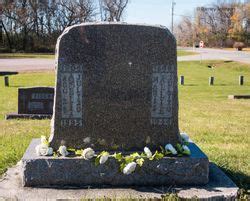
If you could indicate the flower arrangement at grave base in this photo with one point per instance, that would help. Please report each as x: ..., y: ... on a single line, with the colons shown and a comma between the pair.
x: 127, y: 163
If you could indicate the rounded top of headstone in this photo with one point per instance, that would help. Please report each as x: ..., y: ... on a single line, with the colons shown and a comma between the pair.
x: 111, y: 24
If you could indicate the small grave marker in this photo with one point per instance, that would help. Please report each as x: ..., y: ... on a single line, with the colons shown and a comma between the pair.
x: 6, y: 81
x: 182, y: 80
x: 34, y: 102
x: 211, y: 81
x: 241, y: 80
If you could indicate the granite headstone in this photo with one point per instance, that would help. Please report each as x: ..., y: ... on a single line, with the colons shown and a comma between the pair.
x: 116, y: 87
x: 34, y: 103
x: 35, y: 100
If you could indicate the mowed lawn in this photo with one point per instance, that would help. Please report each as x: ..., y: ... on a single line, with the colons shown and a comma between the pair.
x: 52, y: 56
x: 221, y: 127
x: 27, y: 55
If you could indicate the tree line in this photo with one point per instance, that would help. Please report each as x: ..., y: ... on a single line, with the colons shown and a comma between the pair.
x: 220, y: 25
x: 34, y: 25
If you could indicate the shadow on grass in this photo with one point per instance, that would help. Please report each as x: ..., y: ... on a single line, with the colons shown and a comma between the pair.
x: 15, y: 86
x: 241, y: 180
x: 189, y: 85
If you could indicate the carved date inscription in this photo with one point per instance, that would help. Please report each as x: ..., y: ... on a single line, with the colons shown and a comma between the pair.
x: 72, y: 98
x: 162, y: 94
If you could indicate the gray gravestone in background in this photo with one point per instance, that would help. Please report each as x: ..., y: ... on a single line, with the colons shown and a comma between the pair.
x: 116, y: 87
x: 34, y: 103
x: 35, y: 100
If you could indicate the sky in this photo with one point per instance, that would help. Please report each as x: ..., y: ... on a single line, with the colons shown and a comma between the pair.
x: 159, y: 11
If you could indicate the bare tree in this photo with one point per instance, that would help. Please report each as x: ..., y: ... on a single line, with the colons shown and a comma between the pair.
x: 184, y: 32
x: 113, y: 9
x: 30, y: 25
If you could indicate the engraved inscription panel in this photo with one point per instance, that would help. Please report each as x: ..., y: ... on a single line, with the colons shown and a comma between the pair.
x: 162, y: 95
x: 35, y: 106
x: 72, y: 97
x: 42, y: 96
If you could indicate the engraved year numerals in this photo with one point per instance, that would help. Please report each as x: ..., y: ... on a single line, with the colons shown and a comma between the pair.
x: 71, y: 122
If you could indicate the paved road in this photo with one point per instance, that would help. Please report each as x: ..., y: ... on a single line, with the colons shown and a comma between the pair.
x: 49, y: 64
x: 26, y: 64
x: 215, y: 54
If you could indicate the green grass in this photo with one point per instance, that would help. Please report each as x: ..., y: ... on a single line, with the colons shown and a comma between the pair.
x: 221, y: 127
x: 52, y: 56
x: 26, y: 55
x: 185, y: 53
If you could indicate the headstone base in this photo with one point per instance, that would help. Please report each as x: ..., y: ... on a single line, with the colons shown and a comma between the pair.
x: 27, y: 116
x: 220, y: 187
x: 76, y: 172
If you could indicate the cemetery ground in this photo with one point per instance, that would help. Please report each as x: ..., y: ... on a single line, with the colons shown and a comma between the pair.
x: 27, y: 55
x: 52, y: 56
x: 221, y: 127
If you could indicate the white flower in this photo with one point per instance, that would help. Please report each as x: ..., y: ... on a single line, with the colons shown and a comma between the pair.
x: 88, y: 153
x: 43, y: 150
x: 50, y: 151
x: 104, y: 158
x: 186, y: 149
x: 129, y: 168
x: 148, y: 152
x: 44, y: 140
x: 185, y: 137
x: 38, y: 150
x: 63, y: 150
x: 169, y: 147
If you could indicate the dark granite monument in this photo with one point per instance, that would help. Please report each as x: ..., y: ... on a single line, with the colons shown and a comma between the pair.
x: 34, y: 102
x: 116, y: 89
x: 117, y: 86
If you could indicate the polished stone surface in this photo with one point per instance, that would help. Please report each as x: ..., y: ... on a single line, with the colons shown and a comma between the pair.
x: 116, y: 87
x: 75, y: 171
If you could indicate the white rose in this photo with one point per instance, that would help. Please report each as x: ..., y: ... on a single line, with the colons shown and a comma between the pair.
x: 50, y: 151
x: 63, y: 150
x: 185, y: 137
x: 186, y: 149
x: 88, y: 153
x: 104, y: 158
x: 129, y: 168
x: 38, y: 150
x: 169, y: 147
x: 44, y: 140
x: 43, y: 150
x: 147, y: 152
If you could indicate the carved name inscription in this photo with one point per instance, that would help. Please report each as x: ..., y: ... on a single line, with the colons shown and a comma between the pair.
x: 162, y: 94
x: 35, y: 106
x: 42, y: 96
x: 72, y: 96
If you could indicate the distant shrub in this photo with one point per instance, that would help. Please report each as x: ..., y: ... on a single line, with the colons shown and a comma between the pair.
x: 239, y: 45
x: 229, y: 42
x: 4, y: 50
x: 44, y: 49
